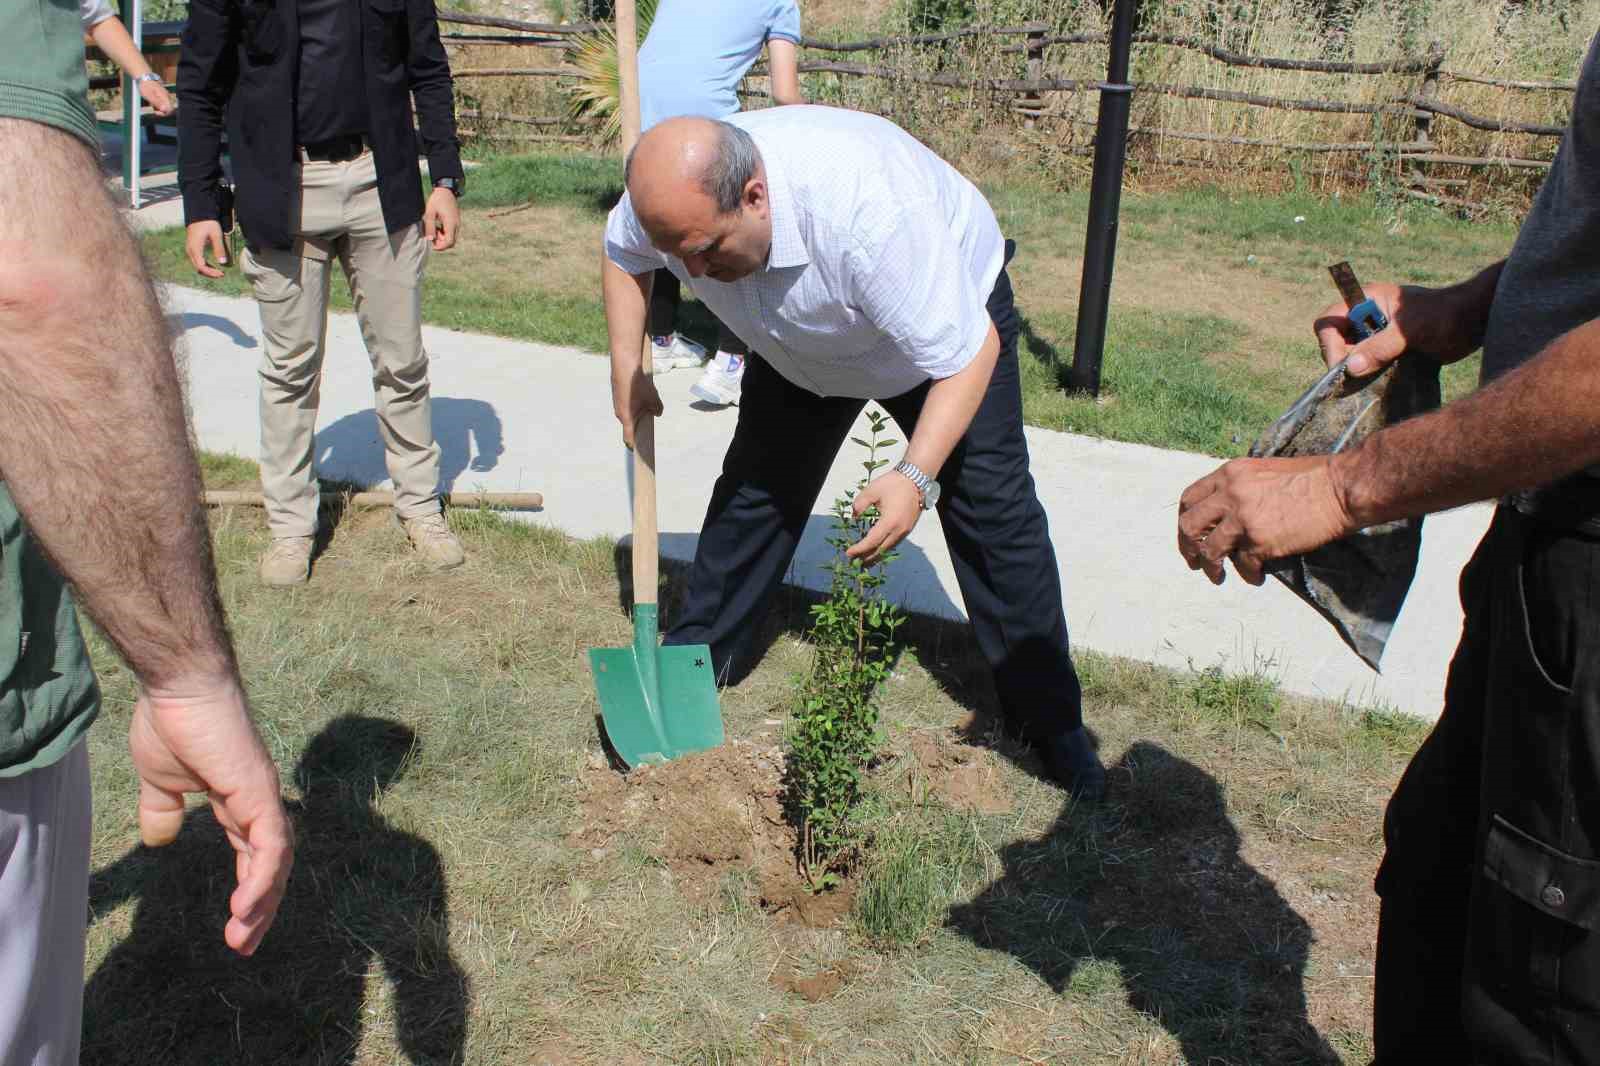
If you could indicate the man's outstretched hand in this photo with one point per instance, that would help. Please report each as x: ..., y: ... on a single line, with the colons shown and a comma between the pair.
x: 1256, y: 510
x: 201, y: 739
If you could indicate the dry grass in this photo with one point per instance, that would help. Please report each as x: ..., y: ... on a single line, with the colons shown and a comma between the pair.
x: 438, y: 732
x: 983, y: 131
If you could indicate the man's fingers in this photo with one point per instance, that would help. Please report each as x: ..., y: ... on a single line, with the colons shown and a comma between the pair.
x: 1375, y: 352
x: 196, y: 248
x: 1196, y: 525
x: 870, y: 545
x: 1250, y: 566
x: 219, y: 249
x: 1198, y: 491
x: 445, y: 236
x: 1330, y: 328
x: 865, y: 499
x: 160, y: 815
x: 263, y: 866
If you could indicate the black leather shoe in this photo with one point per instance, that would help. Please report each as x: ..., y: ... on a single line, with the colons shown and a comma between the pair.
x: 1071, y: 760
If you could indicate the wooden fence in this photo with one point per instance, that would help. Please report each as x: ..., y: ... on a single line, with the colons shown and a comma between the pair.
x: 1033, y: 96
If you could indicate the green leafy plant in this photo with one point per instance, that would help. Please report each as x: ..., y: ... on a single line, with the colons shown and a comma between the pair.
x: 596, y: 94
x: 834, y: 732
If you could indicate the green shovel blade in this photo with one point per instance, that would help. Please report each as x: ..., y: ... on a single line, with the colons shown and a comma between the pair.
x: 657, y: 703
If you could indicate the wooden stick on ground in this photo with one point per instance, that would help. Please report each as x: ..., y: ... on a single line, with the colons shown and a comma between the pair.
x: 513, y: 501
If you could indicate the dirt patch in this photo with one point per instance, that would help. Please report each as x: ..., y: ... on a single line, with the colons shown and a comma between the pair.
x: 816, y: 987
x: 959, y: 775
x: 712, y: 820
x: 550, y: 247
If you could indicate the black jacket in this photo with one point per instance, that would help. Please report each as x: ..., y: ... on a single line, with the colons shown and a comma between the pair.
x: 240, y: 57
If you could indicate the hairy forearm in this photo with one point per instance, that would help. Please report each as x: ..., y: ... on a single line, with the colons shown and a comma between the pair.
x: 1536, y: 424
x: 627, y: 299
x: 949, y: 408
x: 112, y: 38
x: 94, y: 445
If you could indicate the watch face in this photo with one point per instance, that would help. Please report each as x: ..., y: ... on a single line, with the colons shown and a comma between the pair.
x: 930, y: 495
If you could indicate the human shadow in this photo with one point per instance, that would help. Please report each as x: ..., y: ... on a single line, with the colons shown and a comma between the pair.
x: 1042, y: 347
x: 1154, y: 886
x: 468, y: 432
x: 362, y: 892
x: 187, y: 320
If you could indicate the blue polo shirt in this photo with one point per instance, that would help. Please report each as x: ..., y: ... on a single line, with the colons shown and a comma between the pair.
x: 697, y: 50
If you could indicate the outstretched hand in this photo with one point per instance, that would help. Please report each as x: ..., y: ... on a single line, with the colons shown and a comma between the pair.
x: 203, y: 741
x: 899, y: 505
x: 1254, y: 511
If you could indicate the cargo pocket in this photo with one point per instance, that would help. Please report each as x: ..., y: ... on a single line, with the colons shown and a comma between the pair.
x: 273, y: 273
x: 1534, y: 924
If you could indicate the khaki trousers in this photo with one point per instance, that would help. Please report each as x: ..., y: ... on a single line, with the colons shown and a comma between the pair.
x: 340, y: 217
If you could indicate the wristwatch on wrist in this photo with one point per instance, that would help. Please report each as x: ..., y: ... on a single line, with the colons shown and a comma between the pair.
x: 458, y: 186
x: 148, y: 75
x: 924, y: 483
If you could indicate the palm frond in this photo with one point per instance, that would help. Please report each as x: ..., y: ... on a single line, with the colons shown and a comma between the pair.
x: 596, y: 94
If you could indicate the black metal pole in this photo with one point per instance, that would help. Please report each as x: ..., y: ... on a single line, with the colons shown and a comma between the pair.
x: 1105, y: 199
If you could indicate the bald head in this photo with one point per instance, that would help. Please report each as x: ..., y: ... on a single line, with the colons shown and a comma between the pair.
x: 698, y: 187
x: 692, y: 155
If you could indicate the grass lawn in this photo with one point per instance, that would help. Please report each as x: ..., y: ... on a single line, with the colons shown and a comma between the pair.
x: 475, y: 884
x: 1209, y: 335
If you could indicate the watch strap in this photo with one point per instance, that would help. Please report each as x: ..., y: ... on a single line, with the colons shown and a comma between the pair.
x: 917, y: 477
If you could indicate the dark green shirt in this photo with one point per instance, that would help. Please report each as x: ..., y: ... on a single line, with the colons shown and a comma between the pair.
x: 48, y: 695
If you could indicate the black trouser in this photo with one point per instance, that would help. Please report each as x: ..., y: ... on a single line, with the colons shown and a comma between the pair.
x: 666, y: 293
x: 1489, y: 930
x: 782, y: 449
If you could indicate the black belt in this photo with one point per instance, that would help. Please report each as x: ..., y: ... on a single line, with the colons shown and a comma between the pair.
x: 335, y: 149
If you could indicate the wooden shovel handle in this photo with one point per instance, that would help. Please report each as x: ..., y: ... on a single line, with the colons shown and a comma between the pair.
x: 646, y: 564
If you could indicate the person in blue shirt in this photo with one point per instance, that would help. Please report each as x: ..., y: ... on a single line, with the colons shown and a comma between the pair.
x: 691, y: 63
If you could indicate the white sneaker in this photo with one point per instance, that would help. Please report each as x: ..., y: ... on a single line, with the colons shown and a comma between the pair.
x: 719, y: 385
x: 677, y: 351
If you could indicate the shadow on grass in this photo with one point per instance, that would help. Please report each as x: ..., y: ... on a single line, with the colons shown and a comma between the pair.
x: 1152, y: 893
x: 1042, y: 348
x: 362, y: 893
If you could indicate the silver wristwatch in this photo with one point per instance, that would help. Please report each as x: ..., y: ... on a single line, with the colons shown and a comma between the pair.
x: 924, y: 483
x: 147, y: 76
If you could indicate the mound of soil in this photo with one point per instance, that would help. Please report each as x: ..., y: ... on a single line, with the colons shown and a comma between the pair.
x: 957, y: 774
x: 716, y: 818
x: 708, y: 817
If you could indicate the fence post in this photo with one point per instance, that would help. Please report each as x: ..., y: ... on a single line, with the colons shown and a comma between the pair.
x: 1032, y: 100
x: 1423, y: 142
x: 1105, y: 199
x: 1430, y: 89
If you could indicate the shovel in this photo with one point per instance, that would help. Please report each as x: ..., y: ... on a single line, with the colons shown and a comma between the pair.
x: 656, y: 702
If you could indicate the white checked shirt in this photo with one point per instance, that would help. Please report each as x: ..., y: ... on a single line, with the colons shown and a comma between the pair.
x: 882, y: 257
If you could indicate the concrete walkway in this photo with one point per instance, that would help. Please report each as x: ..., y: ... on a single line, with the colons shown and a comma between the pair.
x: 516, y: 416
